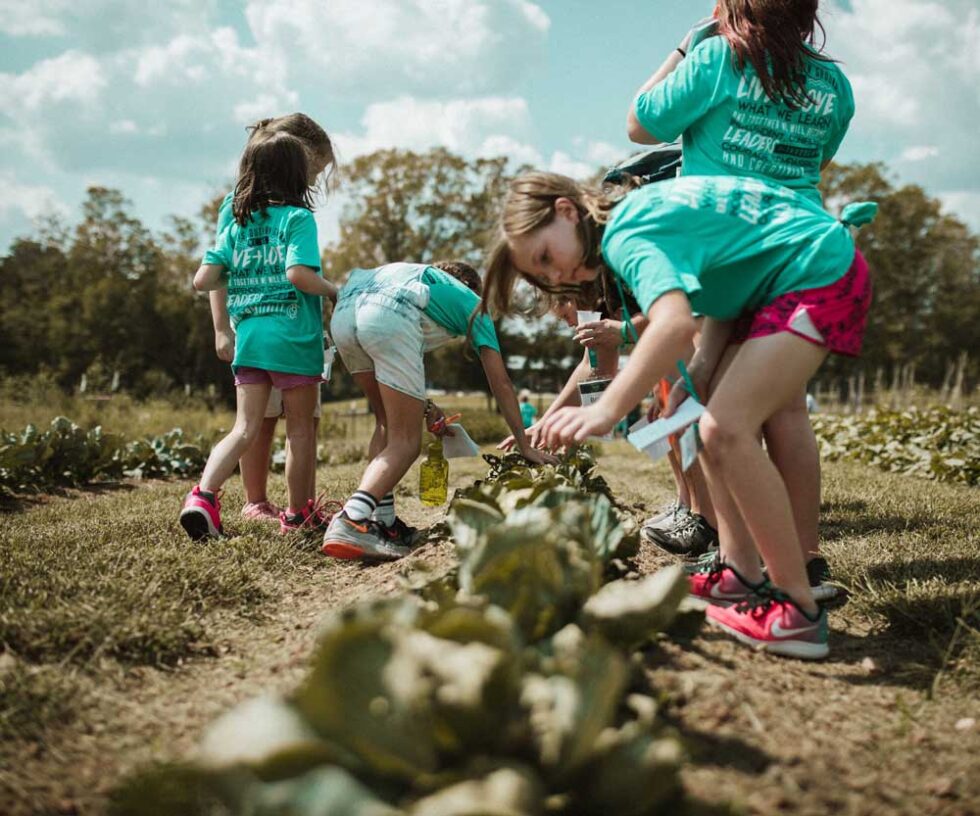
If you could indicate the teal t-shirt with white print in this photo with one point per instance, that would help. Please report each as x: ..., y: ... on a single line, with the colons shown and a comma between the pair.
x: 452, y: 303
x: 277, y: 327
x: 730, y: 127
x: 730, y: 244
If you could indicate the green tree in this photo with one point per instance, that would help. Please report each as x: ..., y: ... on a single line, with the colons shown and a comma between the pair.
x: 420, y: 207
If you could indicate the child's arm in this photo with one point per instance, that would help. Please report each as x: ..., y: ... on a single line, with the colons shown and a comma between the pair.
x: 224, y: 337
x: 209, y: 277
x: 503, y: 390
x: 306, y: 279
x: 664, y: 342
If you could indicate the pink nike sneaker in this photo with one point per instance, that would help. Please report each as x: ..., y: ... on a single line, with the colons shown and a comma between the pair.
x: 201, y: 514
x: 771, y: 621
x: 261, y: 511
x: 314, y: 517
x: 720, y: 584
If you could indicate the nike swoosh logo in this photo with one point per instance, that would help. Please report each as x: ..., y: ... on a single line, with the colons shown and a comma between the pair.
x: 361, y: 528
x: 779, y: 632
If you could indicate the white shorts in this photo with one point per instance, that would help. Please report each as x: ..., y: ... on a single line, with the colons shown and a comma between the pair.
x: 376, y: 333
x: 274, y: 409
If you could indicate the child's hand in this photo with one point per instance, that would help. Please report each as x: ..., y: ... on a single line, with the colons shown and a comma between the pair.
x: 600, y: 333
x: 569, y: 425
x: 539, y: 457
x: 224, y: 345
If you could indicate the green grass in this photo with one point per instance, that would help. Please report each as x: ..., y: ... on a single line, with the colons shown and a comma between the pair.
x: 114, y: 576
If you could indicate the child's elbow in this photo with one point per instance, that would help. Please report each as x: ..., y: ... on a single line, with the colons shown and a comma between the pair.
x: 201, y: 280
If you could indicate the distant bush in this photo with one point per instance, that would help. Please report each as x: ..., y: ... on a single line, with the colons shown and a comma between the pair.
x: 935, y: 443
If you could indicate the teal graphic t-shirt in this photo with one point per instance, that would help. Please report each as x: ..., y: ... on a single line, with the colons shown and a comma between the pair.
x: 731, y: 244
x: 277, y: 327
x: 730, y: 127
x: 451, y: 303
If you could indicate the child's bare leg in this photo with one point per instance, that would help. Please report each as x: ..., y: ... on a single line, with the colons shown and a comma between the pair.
x: 683, y: 494
x: 369, y: 385
x: 299, y: 403
x: 403, y: 417
x: 316, y: 437
x: 700, y: 494
x: 766, y: 374
x: 250, y: 413
x: 792, y: 446
x: 254, y: 463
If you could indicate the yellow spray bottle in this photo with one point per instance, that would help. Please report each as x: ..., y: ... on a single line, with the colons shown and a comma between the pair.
x: 434, y: 476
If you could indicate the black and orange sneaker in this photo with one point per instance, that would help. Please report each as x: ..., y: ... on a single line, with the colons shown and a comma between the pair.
x: 360, y: 540
x: 401, y: 533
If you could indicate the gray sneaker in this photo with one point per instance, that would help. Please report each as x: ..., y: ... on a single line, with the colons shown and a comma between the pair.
x: 360, y: 540
x: 691, y: 536
x: 667, y: 517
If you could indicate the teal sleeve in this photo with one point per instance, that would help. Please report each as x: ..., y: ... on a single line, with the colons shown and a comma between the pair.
x: 844, y: 116
x: 646, y: 270
x: 670, y: 108
x: 303, y: 248
x: 451, y: 304
x: 225, y: 219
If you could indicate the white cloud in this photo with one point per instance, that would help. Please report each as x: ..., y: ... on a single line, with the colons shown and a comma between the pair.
x: 100, y: 25
x: 70, y: 77
x: 30, y: 200
x: 915, y: 69
x: 367, y: 47
x: 920, y: 153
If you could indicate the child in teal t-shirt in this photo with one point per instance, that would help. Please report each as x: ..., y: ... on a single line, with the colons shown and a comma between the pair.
x: 528, y: 411
x: 385, y: 321
x: 724, y: 247
x: 269, y: 260
x: 734, y: 120
x: 254, y: 464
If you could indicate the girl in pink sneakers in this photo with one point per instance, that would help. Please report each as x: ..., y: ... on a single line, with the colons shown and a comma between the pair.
x: 751, y: 93
x: 722, y: 247
x: 269, y: 259
x: 254, y: 464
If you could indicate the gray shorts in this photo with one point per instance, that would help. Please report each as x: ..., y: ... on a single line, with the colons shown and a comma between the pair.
x: 377, y: 333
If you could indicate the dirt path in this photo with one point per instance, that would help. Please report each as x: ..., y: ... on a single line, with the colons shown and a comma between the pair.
x: 771, y: 736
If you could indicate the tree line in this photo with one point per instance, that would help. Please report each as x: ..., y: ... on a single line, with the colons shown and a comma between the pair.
x: 110, y: 299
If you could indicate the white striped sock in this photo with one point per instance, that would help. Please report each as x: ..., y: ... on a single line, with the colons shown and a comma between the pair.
x: 360, y: 506
x: 385, y: 512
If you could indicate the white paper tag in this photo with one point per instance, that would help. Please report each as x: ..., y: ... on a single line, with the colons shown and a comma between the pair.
x: 655, y: 450
x: 590, y: 392
x: 690, y: 446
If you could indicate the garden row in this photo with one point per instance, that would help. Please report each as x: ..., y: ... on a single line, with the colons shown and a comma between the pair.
x: 511, y: 684
x: 934, y: 443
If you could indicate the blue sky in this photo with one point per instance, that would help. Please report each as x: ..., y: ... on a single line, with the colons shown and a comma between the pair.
x: 153, y: 99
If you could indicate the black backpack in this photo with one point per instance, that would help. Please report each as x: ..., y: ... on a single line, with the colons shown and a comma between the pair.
x: 656, y: 164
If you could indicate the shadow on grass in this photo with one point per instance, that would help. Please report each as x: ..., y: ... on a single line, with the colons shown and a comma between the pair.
x: 917, y: 639
x: 22, y: 502
x: 924, y: 569
x: 835, y: 526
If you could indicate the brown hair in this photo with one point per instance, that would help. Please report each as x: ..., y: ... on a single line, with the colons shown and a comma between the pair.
x: 773, y: 36
x: 274, y: 171
x: 463, y: 272
x: 310, y: 133
x: 528, y: 206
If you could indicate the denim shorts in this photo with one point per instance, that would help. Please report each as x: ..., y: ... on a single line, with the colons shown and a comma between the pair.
x: 376, y: 332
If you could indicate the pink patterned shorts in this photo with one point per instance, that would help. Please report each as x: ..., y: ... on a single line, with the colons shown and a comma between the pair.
x: 246, y: 375
x: 833, y: 316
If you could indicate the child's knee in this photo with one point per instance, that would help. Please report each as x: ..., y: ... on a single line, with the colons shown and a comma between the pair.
x: 718, y: 436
